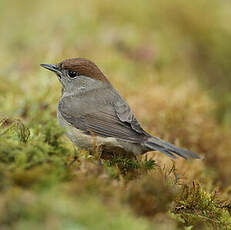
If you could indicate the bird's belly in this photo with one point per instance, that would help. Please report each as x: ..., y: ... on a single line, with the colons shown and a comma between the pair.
x: 91, y: 142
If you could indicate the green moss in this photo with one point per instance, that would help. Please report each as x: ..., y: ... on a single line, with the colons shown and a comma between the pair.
x: 55, y: 209
x: 131, y: 167
x: 25, y: 160
x: 196, y: 207
x: 44, y: 145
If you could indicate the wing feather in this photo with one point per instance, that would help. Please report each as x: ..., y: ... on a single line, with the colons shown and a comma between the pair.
x: 101, y: 120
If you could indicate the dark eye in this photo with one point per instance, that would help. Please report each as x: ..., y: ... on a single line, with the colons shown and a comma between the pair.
x: 72, y: 74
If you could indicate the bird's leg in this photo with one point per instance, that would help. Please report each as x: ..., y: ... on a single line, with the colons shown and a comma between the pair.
x: 75, y: 158
x: 99, y: 150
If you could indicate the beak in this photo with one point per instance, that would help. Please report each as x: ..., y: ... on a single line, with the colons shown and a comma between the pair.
x: 52, y: 68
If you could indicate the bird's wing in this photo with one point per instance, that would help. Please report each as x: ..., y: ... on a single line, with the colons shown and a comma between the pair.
x: 106, y: 120
x: 113, y: 119
x: 125, y: 114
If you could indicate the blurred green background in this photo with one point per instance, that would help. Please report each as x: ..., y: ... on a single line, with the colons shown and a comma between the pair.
x: 170, y: 59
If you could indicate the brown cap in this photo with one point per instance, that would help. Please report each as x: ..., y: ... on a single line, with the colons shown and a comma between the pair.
x: 83, y: 67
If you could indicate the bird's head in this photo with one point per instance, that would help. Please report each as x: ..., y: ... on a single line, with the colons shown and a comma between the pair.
x: 77, y: 73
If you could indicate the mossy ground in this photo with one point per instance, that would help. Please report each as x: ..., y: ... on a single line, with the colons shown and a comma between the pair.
x: 171, y: 60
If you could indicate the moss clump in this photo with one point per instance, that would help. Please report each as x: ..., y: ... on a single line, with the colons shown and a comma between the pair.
x: 131, y: 167
x: 196, y: 207
x: 16, y: 127
x: 24, y: 148
x: 28, y: 156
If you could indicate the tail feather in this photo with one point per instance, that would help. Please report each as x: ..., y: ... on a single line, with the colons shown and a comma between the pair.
x: 168, y: 149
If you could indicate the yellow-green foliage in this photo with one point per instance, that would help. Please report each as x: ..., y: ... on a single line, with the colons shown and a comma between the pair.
x: 171, y: 60
x: 196, y: 207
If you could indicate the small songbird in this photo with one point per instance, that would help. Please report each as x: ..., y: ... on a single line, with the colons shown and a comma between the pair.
x: 94, y: 114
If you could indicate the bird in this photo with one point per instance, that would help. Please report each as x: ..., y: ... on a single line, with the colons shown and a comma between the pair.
x: 95, y: 115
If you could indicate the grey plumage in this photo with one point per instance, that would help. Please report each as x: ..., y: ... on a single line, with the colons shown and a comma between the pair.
x: 102, y: 117
x: 92, y: 106
x: 112, y: 117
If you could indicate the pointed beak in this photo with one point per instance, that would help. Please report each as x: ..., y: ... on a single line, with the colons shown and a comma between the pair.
x: 52, y: 68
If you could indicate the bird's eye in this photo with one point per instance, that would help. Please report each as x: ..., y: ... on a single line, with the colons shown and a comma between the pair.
x: 73, y: 74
